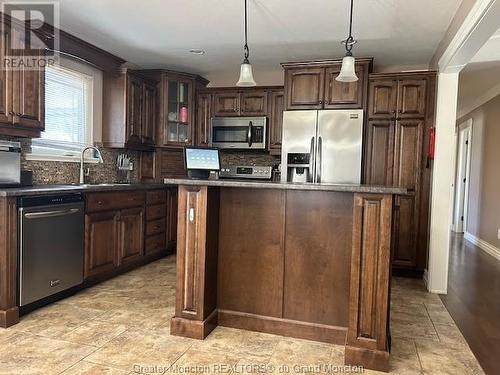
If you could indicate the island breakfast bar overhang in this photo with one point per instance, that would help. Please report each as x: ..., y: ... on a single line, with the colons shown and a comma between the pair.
x: 308, y: 261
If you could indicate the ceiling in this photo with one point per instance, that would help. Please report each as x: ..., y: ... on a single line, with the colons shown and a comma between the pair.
x: 490, y: 51
x: 160, y: 33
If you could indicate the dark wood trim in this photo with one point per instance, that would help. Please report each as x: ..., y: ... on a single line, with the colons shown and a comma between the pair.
x: 368, y: 336
x: 372, y: 359
x: 211, y: 89
x: 325, y: 62
x: 402, y: 75
x: 284, y: 327
x: 9, y: 312
x: 197, y: 244
x: 193, y: 328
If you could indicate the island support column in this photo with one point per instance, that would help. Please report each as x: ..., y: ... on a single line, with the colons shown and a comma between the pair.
x: 368, y: 337
x: 197, y: 243
x: 9, y: 312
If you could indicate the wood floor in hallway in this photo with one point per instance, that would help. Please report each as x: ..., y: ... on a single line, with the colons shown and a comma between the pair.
x: 473, y: 300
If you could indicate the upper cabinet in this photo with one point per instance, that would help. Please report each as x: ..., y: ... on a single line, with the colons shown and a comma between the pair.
x: 312, y: 85
x: 22, y: 105
x: 402, y: 98
x: 268, y: 101
x: 277, y: 104
x: 178, y: 103
x: 250, y: 102
x: 203, y: 118
x: 129, y: 111
x: 176, y: 107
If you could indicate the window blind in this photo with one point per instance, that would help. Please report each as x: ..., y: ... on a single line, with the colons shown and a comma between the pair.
x: 67, y: 112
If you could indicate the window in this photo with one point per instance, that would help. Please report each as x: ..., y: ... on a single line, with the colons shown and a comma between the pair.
x: 68, y: 115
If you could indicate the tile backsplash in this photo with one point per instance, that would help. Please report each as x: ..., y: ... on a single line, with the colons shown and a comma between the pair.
x: 247, y: 158
x: 57, y: 172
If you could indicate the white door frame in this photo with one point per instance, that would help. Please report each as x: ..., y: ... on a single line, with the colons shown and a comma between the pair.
x: 462, y: 173
x: 479, y: 25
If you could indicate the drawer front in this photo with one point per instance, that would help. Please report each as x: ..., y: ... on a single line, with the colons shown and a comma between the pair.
x: 114, y: 200
x: 156, y: 243
x: 156, y: 212
x: 156, y: 226
x: 156, y: 196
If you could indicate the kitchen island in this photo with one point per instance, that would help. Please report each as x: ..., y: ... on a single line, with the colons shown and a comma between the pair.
x: 304, y: 260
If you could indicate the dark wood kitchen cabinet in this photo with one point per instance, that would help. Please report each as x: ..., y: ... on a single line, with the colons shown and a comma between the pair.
x: 101, y: 243
x: 114, y: 231
x: 245, y: 102
x: 129, y: 111
x: 312, y: 85
x: 277, y: 103
x: 401, y: 98
x: 22, y: 93
x: 175, y: 112
x: 131, y: 235
x: 400, y: 114
x: 149, y: 114
x: 203, y: 118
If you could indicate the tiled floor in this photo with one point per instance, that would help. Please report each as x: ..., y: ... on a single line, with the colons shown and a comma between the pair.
x: 122, y: 327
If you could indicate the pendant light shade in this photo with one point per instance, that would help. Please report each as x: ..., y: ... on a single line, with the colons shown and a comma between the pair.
x: 348, y: 70
x: 246, y: 73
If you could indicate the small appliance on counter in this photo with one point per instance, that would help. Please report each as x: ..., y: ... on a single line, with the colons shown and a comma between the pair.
x: 200, y: 161
x: 246, y: 172
x: 10, y: 163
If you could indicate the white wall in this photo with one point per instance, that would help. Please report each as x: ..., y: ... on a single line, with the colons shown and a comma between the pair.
x: 442, y: 182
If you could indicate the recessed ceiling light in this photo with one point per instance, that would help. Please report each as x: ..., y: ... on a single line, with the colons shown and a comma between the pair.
x: 197, y: 51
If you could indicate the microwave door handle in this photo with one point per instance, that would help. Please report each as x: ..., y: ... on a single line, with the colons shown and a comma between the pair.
x: 319, y: 160
x: 249, y: 135
x: 311, y: 160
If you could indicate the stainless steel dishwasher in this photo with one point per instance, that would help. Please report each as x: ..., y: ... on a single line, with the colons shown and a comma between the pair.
x: 51, y: 231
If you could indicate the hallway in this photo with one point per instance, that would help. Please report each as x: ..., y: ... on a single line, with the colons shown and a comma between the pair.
x: 473, y: 300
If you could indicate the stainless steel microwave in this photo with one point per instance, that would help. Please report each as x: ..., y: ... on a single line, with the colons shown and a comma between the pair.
x: 239, y: 133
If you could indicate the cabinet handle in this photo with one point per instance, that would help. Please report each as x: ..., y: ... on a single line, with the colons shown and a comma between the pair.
x: 11, y: 113
x: 191, y: 215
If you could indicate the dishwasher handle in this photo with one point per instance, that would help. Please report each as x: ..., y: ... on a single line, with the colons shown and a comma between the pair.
x: 45, y: 214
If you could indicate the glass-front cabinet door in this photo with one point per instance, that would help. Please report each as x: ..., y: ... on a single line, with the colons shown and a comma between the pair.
x: 178, y: 124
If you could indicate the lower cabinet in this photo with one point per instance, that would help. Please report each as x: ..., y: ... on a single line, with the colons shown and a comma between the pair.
x: 131, y: 235
x: 101, y: 243
x: 405, y: 231
x: 127, y: 228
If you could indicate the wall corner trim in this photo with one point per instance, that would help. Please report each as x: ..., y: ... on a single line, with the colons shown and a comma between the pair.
x: 483, y: 245
x: 479, y: 101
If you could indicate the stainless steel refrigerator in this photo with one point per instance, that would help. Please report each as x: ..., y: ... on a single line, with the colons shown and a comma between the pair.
x: 322, y: 146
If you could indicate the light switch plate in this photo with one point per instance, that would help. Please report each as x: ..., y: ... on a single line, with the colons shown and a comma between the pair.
x: 498, y: 234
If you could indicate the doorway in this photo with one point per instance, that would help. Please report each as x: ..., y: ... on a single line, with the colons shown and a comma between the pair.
x: 464, y: 148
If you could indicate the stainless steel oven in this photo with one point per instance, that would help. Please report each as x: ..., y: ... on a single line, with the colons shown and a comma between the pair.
x: 239, y: 133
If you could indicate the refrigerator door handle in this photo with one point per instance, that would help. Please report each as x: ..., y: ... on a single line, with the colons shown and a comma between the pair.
x: 319, y: 160
x: 249, y: 134
x: 311, y: 160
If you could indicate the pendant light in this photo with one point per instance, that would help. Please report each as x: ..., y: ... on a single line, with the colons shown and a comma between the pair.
x: 246, y: 74
x: 348, y: 72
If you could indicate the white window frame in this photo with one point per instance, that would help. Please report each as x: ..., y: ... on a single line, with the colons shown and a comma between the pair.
x: 94, y: 129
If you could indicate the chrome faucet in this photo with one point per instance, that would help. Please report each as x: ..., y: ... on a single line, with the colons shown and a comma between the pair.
x: 82, y: 174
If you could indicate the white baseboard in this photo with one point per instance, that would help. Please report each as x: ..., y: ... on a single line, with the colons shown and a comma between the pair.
x: 483, y: 245
x: 425, y: 277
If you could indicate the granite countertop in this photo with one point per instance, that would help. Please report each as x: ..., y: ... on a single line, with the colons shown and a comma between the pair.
x: 288, y: 186
x: 84, y: 188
